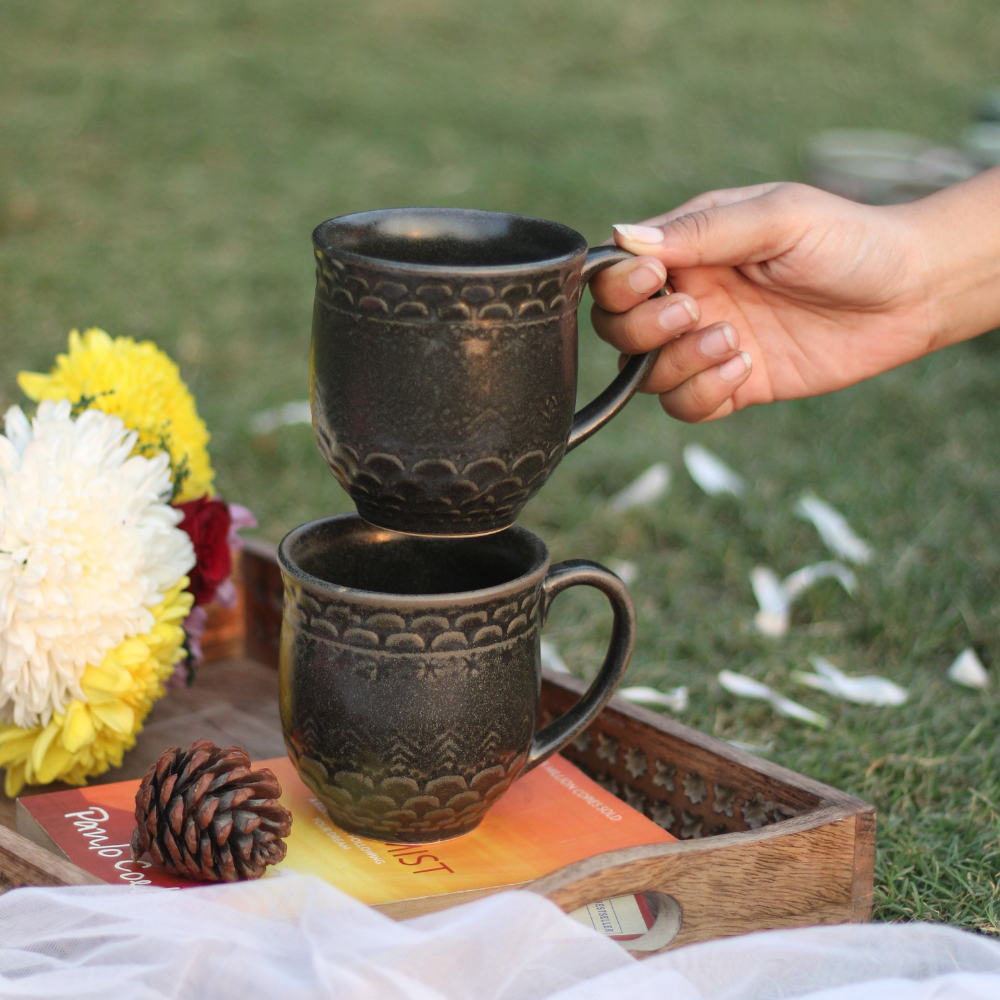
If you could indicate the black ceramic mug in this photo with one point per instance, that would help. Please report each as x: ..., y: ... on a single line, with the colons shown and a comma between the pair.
x: 410, y: 671
x: 444, y: 362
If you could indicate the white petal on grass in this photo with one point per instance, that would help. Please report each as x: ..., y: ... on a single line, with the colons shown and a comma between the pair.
x: 796, y: 584
x: 772, y: 619
x: 793, y: 710
x: 968, y: 670
x: 551, y: 659
x: 626, y: 571
x: 675, y: 699
x: 265, y: 421
x: 871, y: 690
x: 837, y: 534
x: 776, y: 597
x: 743, y: 686
x: 711, y: 473
x: 645, y: 490
x: 746, y: 687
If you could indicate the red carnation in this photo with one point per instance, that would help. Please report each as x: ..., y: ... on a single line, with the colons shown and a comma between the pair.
x: 207, y: 522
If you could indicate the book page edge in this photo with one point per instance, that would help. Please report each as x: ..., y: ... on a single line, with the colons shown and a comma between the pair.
x: 29, y: 827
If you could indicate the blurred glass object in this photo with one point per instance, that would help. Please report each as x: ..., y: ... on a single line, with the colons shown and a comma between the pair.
x: 981, y: 143
x: 882, y: 168
x: 989, y: 106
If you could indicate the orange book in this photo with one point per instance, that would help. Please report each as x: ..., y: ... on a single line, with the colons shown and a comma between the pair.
x: 551, y: 817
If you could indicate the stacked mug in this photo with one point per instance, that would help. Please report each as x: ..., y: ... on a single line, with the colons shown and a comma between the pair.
x: 442, y: 384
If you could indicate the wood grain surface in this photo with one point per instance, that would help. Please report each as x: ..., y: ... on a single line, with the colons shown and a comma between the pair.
x: 24, y: 863
x: 791, y: 874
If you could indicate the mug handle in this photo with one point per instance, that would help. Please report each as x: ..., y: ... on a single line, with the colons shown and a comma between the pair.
x: 575, y: 573
x: 599, y: 411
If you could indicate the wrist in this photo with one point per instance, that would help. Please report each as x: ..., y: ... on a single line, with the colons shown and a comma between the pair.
x: 956, y: 259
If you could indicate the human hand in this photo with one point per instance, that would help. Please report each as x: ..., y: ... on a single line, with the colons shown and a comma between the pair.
x: 780, y: 291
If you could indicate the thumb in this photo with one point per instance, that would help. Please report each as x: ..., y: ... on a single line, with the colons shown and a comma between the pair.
x: 726, y: 235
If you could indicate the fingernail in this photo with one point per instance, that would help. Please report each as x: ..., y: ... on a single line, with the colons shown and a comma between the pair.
x: 678, y: 316
x: 719, y: 341
x: 646, y: 278
x: 735, y: 368
x: 639, y: 234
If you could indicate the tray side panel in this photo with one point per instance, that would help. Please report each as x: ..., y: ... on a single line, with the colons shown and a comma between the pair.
x: 863, y: 892
x: 23, y: 863
x: 795, y: 874
x: 691, y: 784
x: 263, y: 594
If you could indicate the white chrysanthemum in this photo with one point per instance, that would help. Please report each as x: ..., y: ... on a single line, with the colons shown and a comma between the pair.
x: 88, y: 546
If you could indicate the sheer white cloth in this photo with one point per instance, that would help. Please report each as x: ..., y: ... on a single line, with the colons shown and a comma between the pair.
x: 297, y: 937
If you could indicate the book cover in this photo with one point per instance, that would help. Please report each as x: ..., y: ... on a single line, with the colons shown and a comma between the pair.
x: 551, y: 817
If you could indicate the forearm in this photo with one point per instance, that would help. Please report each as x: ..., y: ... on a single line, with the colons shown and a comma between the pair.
x: 958, y: 251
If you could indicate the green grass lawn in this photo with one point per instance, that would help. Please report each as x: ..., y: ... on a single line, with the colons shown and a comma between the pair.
x: 161, y: 168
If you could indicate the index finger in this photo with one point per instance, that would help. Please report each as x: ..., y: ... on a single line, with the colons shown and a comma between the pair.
x: 711, y: 199
x: 626, y: 284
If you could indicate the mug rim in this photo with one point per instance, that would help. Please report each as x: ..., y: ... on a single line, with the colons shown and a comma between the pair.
x: 459, y: 598
x: 324, y: 245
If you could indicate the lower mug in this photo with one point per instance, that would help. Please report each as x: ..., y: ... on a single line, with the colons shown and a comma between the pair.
x: 410, y: 670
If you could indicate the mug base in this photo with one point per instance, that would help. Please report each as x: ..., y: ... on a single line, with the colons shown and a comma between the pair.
x: 415, y: 837
x: 436, y: 529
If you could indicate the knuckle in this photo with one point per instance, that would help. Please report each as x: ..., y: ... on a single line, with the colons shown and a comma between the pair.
x: 669, y: 372
x: 614, y: 327
x: 633, y: 338
x: 701, y: 399
x: 599, y: 319
x: 718, y: 413
x: 676, y: 361
x: 701, y: 396
x: 695, y: 230
x: 698, y: 224
x: 611, y: 290
x: 601, y: 288
x: 673, y: 407
x: 794, y: 195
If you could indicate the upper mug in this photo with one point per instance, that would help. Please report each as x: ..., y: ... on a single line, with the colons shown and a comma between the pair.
x: 444, y: 362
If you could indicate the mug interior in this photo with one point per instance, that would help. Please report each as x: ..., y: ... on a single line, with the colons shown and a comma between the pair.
x: 348, y: 552
x: 449, y: 237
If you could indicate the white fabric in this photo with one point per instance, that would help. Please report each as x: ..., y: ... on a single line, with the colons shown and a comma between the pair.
x: 296, y: 937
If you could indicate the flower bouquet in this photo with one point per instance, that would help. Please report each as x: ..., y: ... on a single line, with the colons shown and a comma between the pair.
x: 112, y: 543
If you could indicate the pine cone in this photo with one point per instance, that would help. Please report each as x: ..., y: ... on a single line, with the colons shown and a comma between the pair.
x: 203, y: 814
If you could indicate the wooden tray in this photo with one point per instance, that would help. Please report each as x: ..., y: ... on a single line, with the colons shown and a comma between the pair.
x: 760, y: 846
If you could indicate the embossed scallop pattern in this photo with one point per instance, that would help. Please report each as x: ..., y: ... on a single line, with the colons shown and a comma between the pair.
x: 341, y: 621
x: 403, y: 490
x: 353, y: 287
x: 407, y: 803
x: 453, y: 497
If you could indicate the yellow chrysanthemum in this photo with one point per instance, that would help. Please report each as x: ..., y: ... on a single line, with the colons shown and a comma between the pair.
x: 92, y: 735
x: 141, y: 385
